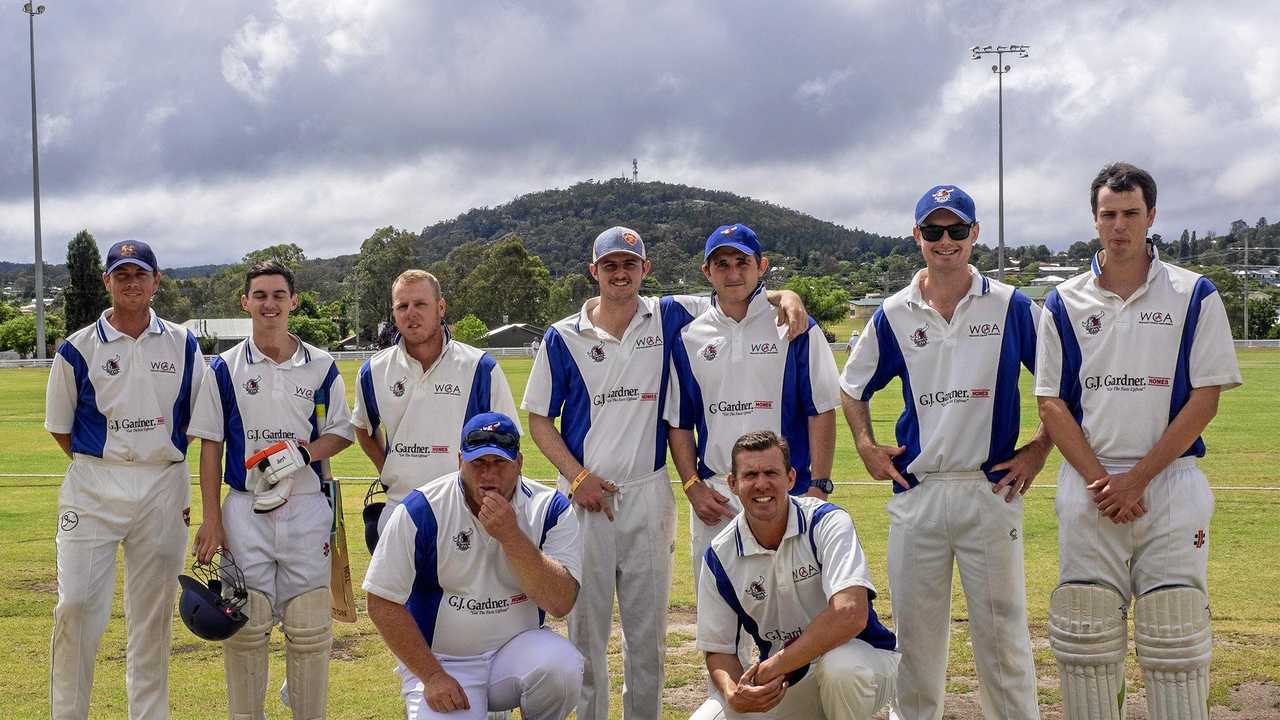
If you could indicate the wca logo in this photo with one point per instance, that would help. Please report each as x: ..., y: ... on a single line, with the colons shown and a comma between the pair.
x: 1155, y: 317
x: 984, y: 329
x: 645, y: 342
x: 163, y: 366
x: 767, y: 348
x: 304, y: 393
x: 448, y: 389
x: 803, y: 572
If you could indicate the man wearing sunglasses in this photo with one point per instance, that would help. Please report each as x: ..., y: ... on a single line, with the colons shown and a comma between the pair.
x: 461, y: 581
x: 603, y: 373
x: 955, y: 339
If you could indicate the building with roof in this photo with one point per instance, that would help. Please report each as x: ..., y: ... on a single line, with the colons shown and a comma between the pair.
x: 513, y: 335
x: 224, y: 332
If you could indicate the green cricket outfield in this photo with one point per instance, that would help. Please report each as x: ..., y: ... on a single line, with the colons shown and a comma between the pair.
x: 1243, y: 572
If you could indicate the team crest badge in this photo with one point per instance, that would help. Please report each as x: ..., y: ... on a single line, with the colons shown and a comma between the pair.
x: 463, y: 540
x: 709, y: 351
x: 596, y: 353
x: 112, y: 366
x: 69, y: 521
x: 943, y: 194
x: 128, y: 250
x: 397, y: 388
x: 253, y: 385
x: 1093, y: 323
x: 630, y: 238
x: 755, y: 588
x: 920, y: 337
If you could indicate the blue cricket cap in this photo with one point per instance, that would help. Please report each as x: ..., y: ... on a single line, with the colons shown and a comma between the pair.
x: 617, y: 239
x: 133, y: 252
x: 737, y: 236
x: 490, y: 433
x: 946, y: 197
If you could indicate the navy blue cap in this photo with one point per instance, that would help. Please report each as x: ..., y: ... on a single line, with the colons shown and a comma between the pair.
x: 617, y: 239
x: 946, y: 197
x: 490, y: 433
x: 131, y: 251
x: 737, y: 236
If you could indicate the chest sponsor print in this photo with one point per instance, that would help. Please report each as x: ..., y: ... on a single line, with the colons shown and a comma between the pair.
x: 413, y: 449
x: 135, y: 425
x: 943, y: 398
x: 485, y: 606
x: 738, y: 407
x: 1125, y: 382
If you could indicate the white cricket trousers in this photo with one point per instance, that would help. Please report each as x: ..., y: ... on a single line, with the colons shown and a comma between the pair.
x: 631, y: 555
x: 1167, y: 546
x: 537, y: 671
x: 701, y: 534
x: 101, y: 506
x: 283, y: 553
x: 955, y: 518
x: 851, y: 682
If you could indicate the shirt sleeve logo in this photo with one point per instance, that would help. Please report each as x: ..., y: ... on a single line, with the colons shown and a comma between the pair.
x: 1093, y: 323
x: 920, y: 337
x: 112, y: 366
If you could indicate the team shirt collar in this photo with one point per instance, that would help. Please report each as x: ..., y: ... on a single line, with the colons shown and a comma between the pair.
x: 745, y: 540
x: 411, y: 361
x: 518, y: 499
x: 1100, y: 259
x: 759, y: 303
x: 978, y: 285
x: 107, y: 333
x: 300, y: 357
x: 643, y: 312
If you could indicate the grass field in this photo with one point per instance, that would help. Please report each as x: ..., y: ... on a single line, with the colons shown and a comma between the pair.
x: 1243, y: 571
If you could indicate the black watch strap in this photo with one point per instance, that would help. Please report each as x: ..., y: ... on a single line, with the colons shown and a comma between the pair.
x: 823, y: 484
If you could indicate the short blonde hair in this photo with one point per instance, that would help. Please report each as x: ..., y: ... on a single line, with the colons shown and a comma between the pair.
x: 413, y: 275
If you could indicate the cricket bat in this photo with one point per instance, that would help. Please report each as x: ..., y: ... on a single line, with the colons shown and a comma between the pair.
x: 343, y: 602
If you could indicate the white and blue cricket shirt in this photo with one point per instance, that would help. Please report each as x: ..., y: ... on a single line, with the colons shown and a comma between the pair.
x: 418, y: 415
x: 1126, y: 368
x: 731, y: 378
x: 773, y: 595
x: 125, y: 400
x: 436, y: 559
x: 608, y: 392
x: 959, y: 378
x: 250, y: 402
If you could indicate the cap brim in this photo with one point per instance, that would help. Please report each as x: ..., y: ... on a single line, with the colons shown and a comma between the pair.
x: 473, y: 453
x: 740, y: 247
x: 130, y: 261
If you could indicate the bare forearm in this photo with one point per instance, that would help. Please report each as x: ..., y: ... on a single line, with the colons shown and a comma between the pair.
x: 858, y: 414
x: 1190, y: 421
x: 725, y: 669
x: 549, y: 441
x: 64, y: 442
x: 402, y: 636
x: 210, y: 481
x: 822, y: 443
x: 839, y: 622
x: 543, y: 579
x: 683, y: 452
x: 326, y: 446
x: 1068, y: 436
x: 372, y: 449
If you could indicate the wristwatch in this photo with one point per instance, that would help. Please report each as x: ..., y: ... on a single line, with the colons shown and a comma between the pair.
x: 823, y: 484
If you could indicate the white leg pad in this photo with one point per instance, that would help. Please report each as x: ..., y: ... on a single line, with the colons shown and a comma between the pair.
x: 244, y: 655
x: 1174, y: 643
x: 308, y: 635
x: 1089, y: 637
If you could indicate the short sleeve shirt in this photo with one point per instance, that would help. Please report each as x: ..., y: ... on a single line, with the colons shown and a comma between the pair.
x: 251, y: 402
x: 436, y: 558
x: 731, y: 378
x: 773, y: 595
x: 1126, y: 368
x: 418, y: 415
x: 608, y: 392
x: 959, y: 378
x: 125, y: 400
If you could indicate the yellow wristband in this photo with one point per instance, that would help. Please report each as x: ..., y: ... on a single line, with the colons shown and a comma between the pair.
x: 692, y: 479
x: 573, y: 486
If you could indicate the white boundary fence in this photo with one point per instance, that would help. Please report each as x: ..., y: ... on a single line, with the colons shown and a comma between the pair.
x: 529, y: 352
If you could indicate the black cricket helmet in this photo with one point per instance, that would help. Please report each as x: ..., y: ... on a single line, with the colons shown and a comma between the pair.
x: 373, y: 511
x: 213, y: 597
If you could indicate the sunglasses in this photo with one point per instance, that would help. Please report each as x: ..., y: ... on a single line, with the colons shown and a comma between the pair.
x: 480, y: 438
x: 933, y: 233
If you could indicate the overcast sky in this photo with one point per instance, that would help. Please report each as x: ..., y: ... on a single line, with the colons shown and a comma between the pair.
x: 212, y: 128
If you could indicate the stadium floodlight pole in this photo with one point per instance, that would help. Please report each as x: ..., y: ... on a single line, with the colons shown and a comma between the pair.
x: 1000, y: 68
x: 35, y: 179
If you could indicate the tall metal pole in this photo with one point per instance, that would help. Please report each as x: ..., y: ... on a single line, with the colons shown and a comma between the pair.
x: 35, y: 179
x: 1000, y: 69
x: 1246, y: 287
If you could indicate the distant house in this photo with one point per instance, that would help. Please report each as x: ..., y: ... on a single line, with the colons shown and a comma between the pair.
x: 226, y: 331
x: 1066, y: 270
x: 866, y: 307
x: 1048, y: 280
x: 1266, y: 275
x: 513, y: 335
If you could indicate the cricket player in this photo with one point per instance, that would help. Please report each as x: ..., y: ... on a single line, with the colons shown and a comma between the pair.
x: 790, y: 571
x: 119, y: 399
x: 459, y: 585
x: 956, y: 340
x: 275, y: 407
x: 1132, y: 357
x: 603, y: 373
x: 734, y: 373
x: 414, y: 396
